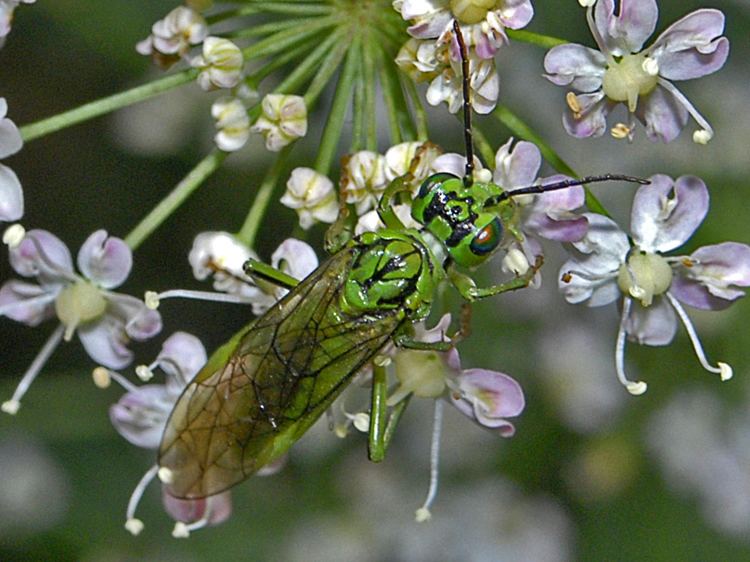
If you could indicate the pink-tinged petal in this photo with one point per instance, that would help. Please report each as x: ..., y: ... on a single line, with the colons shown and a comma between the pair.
x: 216, y: 509
x: 517, y: 166
x: 692, y: 46
x: 11, y: 195
x: 712, y: 281
x: 27, y: 303
x: 487, y: 397
x: 605, y: 241
x: 654, y: 325
x: 139, y: 322
x: 666, y: 213
x: 627, y: 31
x: 295, y: 257
x: 439, y: 332
x: 576, y: 66
x: 104, y: 341
x: 105, y: 260
x: 516, y: 14
x: 578, y: 285
x: 43, y: 255
x: 10, y: 137
x: 662, y: 114
x: 694, y: 293
x: 140, y: 416
x: 181, y: 357
x: 560, y: 200
x: 592, y: 119
x: 559, y: 230
x: 450, y: 163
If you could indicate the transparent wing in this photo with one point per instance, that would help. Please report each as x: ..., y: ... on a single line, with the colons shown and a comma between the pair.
x: 283, y: 372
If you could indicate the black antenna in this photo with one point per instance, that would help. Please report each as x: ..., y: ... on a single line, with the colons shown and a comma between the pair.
x: 469, y: 175
x: 532, y: 189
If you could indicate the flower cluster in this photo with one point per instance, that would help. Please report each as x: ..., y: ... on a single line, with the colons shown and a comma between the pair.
x: 433, y: 55
x: 623, y: 72
x: 11, y: 194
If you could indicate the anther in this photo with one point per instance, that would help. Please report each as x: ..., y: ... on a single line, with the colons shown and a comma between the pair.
x: 13, y: 235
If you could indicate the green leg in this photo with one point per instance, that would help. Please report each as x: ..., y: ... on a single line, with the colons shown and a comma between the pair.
x: 382, y: 424
x: 265, y: 272
x: 471, y: 292
x: 385, y: 209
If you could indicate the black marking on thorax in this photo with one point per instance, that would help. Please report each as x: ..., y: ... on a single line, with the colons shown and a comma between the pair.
x: 439, y: 207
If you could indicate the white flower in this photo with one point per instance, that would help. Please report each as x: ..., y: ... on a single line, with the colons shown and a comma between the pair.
x: 233, y: 123
x: 363, y: 179
x: 312, y: 195
x: 283, y: 121
x: 7, y: 7
x: 172, y: 37
x: 221, y: 64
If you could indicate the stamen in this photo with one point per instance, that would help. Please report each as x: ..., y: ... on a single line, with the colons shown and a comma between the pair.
x: 166, y: 475
x: 182, y: 530
x: 14, y: 235
x: 650, y: 66
x: 573, y: 104
x: 133, y: 524
x: 722, y: 369
x: 144, y: 372
x: 423, y: 513
x: 113, y: 375
x: 153, y: 299
x: 11, y: 406
x: 360, y: 421
x: 621, y: 131
x: 701, y: 136
x: 101, y: 377
x: 636, y: 388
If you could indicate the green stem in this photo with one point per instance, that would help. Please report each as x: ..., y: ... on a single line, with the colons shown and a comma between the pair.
x: 229, y: 14
x: 249, y: 230
x: 520, y: 129
x: 337, y: 115
x: 326, y: 69
x: 544, y: 41
x: 289, y: 8
x: 394, y: 109
x: 484, y: 146
x: 283, y: 40
x: 358, y: 113
x: 371, y: 115
x: 420, y: 115
x: 176, y: 197
x: 105, y: 105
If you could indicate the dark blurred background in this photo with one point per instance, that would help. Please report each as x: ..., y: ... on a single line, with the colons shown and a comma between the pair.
x: 592, y: 474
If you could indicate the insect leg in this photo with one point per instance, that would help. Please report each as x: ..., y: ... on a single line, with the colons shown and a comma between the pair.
x: 385, y: 209
x: 382, y: 430
x: 265, y: 272
x: 468, y: 289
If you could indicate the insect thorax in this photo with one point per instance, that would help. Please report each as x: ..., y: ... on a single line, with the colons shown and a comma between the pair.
x: 392, y: 270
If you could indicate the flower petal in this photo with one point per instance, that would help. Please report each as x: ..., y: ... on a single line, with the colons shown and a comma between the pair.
x: 295, y: 257
x: 10, y: 137
x: 692, y: 46
x: 28, y: 303
x: 43, y: 255
x: 666, y: 213
x: 182, y: 355
x: 517, y: 166
x: 655, y: 325
x: 488, y: 397
x: 625, y: 32
x: 104, y: 341
x: 216, y: 508
x: 576, y: 66
x: 711, y: 281
x: 139, y: 322
x: 591, y: 121
x: 105, y: 260
x: 662, y: 114
x: 140, y: 416
x: 11, y: 195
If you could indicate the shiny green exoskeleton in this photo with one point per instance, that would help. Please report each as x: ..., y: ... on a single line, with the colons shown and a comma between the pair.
x: 264, y: 388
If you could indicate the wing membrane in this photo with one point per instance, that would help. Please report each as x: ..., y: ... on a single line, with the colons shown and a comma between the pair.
x: 283, y: 371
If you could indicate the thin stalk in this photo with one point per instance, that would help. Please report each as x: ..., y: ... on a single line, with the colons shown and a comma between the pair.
x: 522, y: 130
x: 358, y: 111
x: 390, y: 77
x: 289, y: 8
x: 420, y: 115
x: 105, y: 105
x: 254, y: 219
x: 175, y: 198
x: 229, y: 14
x: 277, y: 62
x: 337, y: 115
x: 386, y: 83
x: 266, y: 28
x: 283, y: 40
x: 484, y: 146
x: 544, y: 41
x: 326, y: 69
x: 370, y: 85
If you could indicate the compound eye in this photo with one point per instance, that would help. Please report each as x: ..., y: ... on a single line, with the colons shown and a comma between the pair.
x: 433, y: 182
x: 488, y: 238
